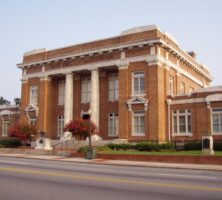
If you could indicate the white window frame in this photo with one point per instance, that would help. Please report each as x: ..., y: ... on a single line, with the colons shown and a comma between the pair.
x: 5, y: 127
x: 171, y: 86
x: 33, y: 121
x: 182, y: 113
x: 113, y: 87
x: 113, y: 125
x: 182, y: 88
x: 217, y: 112
x: 138, y: 75
x: 86, y: 90
x: 33, y: 95
x: 61, y: 92
x: 60, y: 126
x: 139, y: 115
x: 191, y: 89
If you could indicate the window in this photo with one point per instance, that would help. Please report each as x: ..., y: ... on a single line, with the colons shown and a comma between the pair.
x: 32, y: 121
x: 139, y: 123
x: 113, y: 87
x: 171, y: 86
x: 217, y: 121
x: 5, y: 127
x: 61, y: 93
x: 182, y: 122
x: 191, y: 89
x: 86, y: 90
x: 138, y: 83
x: 60, y: 126
x: 113, y: 125
x: 33, y: 94
x: 182, y: 88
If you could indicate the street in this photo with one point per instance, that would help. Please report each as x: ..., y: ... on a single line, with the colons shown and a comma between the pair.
x: 24, y: 179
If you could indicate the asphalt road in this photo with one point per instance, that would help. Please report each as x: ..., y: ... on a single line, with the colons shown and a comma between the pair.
x: 28, y: 179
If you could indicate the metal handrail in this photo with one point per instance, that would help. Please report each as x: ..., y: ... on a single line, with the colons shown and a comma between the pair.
x: 61, y: 144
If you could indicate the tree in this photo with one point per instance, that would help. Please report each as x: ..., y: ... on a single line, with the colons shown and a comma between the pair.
x: 4, y: 101
x: 23, y: 132
x: 80, y: 127
x: 17, y: 101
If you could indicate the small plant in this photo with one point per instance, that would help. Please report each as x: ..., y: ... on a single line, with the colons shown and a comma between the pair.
x: 10, y: 143
x: 148, y: 146
x: 193, y: 145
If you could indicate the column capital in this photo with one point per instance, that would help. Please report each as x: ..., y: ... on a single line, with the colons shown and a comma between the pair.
x: 24, y: 80
x: 45, y: 78
x: 123, y: 65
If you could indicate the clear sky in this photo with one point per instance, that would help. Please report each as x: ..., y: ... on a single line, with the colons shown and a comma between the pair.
x: 32, y: 24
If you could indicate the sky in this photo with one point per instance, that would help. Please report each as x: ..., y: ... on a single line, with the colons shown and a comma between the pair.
x: 31, y: 24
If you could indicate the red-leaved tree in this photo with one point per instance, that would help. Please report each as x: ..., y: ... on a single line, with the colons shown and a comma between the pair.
x: 80, y: 127
x: 23, y: 132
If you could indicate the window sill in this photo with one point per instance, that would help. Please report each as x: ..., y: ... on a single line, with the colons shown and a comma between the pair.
x: 219, y: 133
x: 182, y: 135
x: 138, y: 95
x: 138, y: 135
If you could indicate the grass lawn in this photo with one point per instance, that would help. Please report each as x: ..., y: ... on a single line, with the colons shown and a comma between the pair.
x: 182, y: 153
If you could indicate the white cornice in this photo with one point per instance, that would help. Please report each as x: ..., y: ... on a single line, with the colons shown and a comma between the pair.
x: 194, y: 64
x: 150, y: 59
x: 188, y: 101
x: 99, y: 50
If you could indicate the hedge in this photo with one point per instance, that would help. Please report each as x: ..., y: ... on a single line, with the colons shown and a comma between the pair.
x: 10, y: 143
x: 143, y: 146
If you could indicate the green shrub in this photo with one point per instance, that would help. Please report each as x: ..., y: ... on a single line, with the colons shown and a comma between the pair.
x: 111, y: 146
x: 119, y: 146
x: 83, y: 149
x: 193, y: 145
x: 1, y: 146
x: 218, y: 146
x: 167, y: 146
x: 10, y: 143
x: 148, y: 146
x: 103, y: 148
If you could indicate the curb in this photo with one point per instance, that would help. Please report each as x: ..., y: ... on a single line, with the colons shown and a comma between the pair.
x: 127, y: 163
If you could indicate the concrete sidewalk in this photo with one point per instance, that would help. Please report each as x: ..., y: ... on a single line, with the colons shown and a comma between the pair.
x: 118, y: 162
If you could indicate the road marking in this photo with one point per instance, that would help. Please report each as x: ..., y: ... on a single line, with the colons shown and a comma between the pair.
x: 189, y: 176
x: 111, y: 180
x: 13, y: 162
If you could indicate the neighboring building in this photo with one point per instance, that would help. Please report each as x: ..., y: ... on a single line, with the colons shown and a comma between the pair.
x: 131, y: 85
x: 9, y: 117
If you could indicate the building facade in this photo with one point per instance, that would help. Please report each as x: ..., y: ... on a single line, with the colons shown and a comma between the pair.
x: 9, y: 117
x: 131, y: 85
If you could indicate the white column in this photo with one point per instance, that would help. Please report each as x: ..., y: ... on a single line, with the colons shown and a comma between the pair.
x: 94, y: 105
x: 68, y: 106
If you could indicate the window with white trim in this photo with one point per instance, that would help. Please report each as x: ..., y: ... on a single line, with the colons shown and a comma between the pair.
x: 113, y: 87
x: 138, y: 123
x: 171, y: 86
x: 217, y: 121
x: 113, y: 125
x: 191, y: 89
x: 182, y: 88
x: 5, y: 127
x: 86, y: 90
x: 182, y: 122
x: 138, y: 83
x: 60, y: 126
x: 33, y: 121
x: 33, y: 95
x: 61, y: 92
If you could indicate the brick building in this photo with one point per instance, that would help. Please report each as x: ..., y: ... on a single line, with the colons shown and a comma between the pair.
x: 9, y: 117
x: 139, y: 85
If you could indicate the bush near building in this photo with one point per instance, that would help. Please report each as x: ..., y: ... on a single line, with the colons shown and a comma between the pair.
x: 10, y: 143
x: 23, y: 132
x: 143, y: 146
